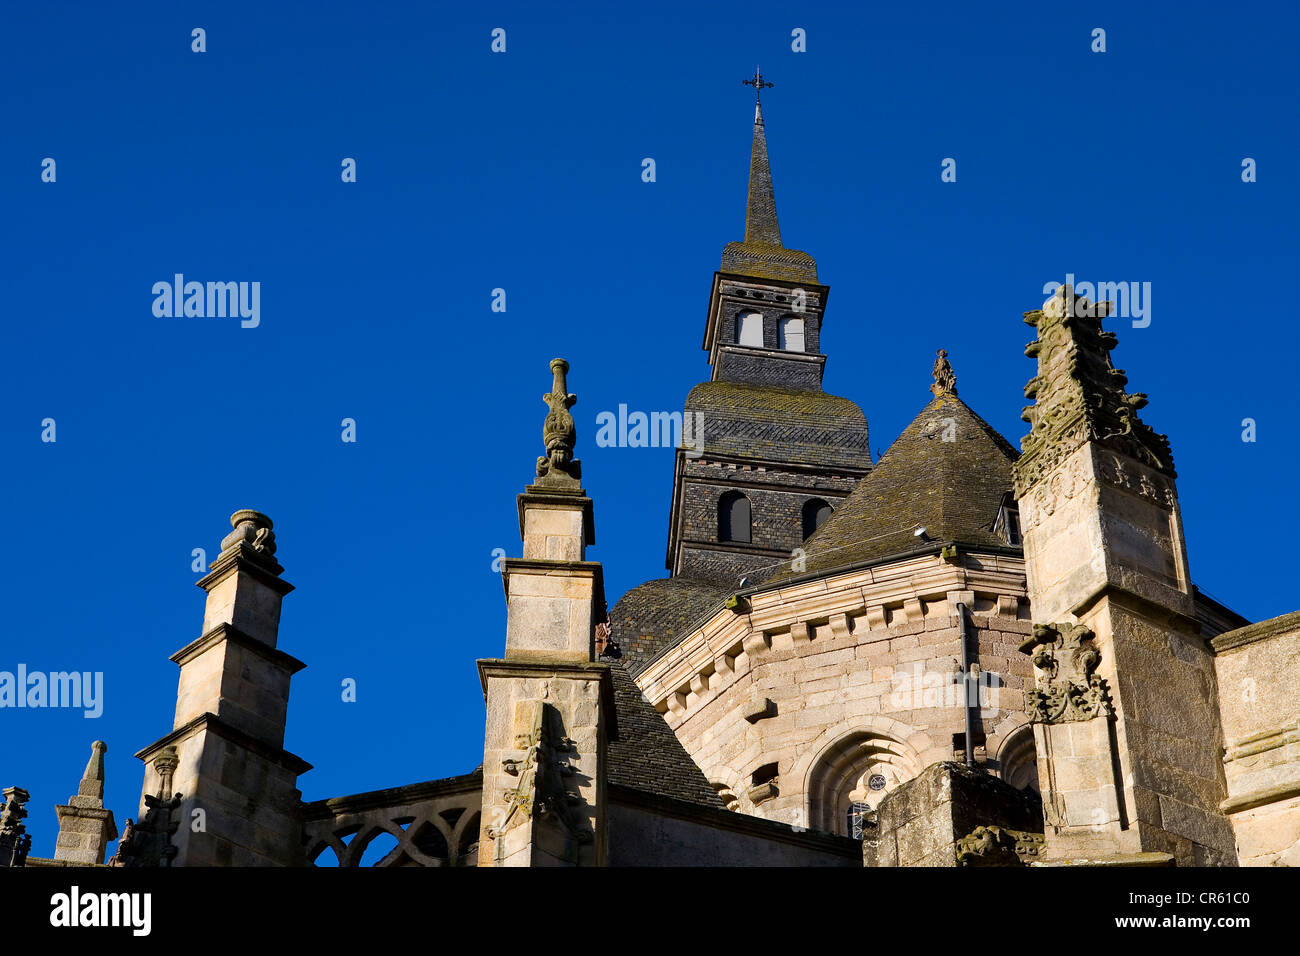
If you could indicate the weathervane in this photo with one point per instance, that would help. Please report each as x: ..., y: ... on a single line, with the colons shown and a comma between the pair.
x: 758, y: 84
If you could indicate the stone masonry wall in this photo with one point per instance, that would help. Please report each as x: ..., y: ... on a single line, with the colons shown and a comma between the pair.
x: 826, y: 702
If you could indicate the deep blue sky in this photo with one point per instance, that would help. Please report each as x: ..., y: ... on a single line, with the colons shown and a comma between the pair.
x: 523, y: 171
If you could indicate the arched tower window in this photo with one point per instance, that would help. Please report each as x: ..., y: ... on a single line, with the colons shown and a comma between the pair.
x: 815, y: 513
x: 792, y: 334
x: 749, y: 329
x: 734, y: 517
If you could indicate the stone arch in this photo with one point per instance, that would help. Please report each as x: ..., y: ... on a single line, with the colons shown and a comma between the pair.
x: 837, y: 768
x: 1018, y: 758
x: 729, y: 785
x: 465, y: 838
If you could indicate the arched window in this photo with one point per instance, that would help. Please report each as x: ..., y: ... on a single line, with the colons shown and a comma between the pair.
x: 853, y: 776
x: 749, y: 329
x: 1018, y: 759
x: 815, y: 513
x: 858, y: 813
x: 792, y: 334
x: 733, y: 517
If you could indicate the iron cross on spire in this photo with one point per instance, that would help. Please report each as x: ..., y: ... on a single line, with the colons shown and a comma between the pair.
x: 758, y: 84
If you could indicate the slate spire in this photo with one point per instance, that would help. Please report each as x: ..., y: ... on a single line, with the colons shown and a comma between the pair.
x: 760, y: 214
x: 762, y: 255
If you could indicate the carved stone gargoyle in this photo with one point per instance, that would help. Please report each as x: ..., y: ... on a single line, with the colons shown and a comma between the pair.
x: 1067, y: 685
x: 149, y: 842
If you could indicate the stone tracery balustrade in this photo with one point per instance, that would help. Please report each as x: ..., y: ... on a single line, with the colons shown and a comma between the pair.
x: 435, y: 823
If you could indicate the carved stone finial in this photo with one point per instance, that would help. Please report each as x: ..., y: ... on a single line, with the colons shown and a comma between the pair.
x: 945, y: 380
x: 559, y: 434
x: 1078, y: 393
x: 253, y: 537
x: 15, y: 841
x: 1067, y: 686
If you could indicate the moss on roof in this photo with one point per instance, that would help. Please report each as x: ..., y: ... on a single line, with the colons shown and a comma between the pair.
x: 647, y: 755
x: 651, y: 616
x: 948, y: 471
x: 764, y: 260
x: 799, y: 426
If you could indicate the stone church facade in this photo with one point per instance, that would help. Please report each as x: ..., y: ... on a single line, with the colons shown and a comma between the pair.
x: 962, y: 654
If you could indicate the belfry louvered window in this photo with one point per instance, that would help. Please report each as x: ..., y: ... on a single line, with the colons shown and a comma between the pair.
x: 792, y: 334
x: 749, y: 329
x: 815, y: 513
x: 734, y: 517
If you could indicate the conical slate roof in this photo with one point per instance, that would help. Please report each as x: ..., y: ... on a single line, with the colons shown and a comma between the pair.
x: 948, y: 471
x: 648, y: 618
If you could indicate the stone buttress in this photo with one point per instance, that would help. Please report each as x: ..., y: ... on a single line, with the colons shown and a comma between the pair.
x: 1124, y: 704
x: 549, y: 702
x: 224, y: 765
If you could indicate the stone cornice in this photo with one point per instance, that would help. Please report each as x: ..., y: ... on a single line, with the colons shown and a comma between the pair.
x: 592, y: 570
x: 240, y: 560
x: 1259, y: 798
x: 1157, y: 603
x: 1260, y: 631
x: 1261, y: 742
x: 852, y: 603
x: 227, y: 731
x: 228, y: 632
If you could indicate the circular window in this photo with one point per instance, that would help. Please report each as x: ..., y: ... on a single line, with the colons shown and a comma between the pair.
x: 876, y: 781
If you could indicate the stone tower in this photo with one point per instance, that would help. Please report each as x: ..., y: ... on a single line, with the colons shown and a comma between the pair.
x: 777, y: 452
x: 550, y: 708
x: 224, y: 759
x: 1124, y: 707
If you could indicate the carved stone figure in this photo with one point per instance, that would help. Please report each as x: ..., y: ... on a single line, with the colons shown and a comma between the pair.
x: 149, y: 842
x: 945, y: 380
x: 998, y: 846
x: 15, y: 841
x: 558, y: 431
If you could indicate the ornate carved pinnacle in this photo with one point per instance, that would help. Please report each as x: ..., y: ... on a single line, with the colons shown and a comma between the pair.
x: 945, y: 380
x: 15, y: 841
x: 1079, y: 395
x: 558, y: 431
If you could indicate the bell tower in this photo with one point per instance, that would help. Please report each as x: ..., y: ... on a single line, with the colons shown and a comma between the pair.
x: 769, y: 452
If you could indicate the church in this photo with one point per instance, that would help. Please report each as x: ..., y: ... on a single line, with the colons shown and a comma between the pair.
x: 963, y: 653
